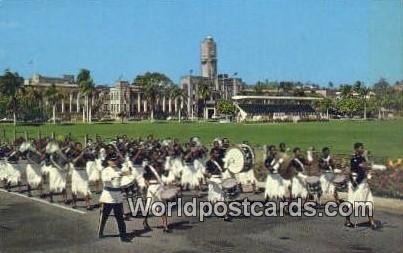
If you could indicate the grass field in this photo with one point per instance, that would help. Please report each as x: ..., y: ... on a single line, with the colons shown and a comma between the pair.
x: 382, y: 138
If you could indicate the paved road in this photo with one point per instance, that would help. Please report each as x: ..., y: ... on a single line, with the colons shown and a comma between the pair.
x: 30, y: 226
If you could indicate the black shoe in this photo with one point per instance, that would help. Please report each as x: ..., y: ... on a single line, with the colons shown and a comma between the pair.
x: 374, y: 226
x: 167, y: 230
x: 227, y: 219
x: 146, y: 226
x: 125, y: 239
x: 349, y: 224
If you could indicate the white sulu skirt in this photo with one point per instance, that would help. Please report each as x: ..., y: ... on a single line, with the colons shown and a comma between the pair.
x: 326, y: 183
x: 361, y: 193
x: 93, y: 172
x: 79, y: 182
x: 276, y: 186
x: 190, y: 176
x: 298, y: 187
x: 200, y: 168
x: 34, y: 175
x: 138, y: 172
x: 45, y: 169
x: 177, y: 167
x: 98, y: 163
x: 170, y: 178
x: 3, y: 174
x: 215, y: 192
x: 57, y: 179
x: 13, y: 172
x: 247, y: 177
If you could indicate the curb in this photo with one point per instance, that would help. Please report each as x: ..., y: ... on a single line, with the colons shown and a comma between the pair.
x: 389, y: 205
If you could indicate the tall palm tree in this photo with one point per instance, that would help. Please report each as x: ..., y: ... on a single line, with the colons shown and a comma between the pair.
x: 364, y: 91
x: 152, y: 83
x: 52, y: 94
x: 346, y: 90
x: 177, y: 94
x: 203, y: 92
x: 87, y: 88
x: 10, y: 84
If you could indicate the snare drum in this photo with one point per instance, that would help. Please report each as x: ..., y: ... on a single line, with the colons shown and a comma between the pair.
x: 313, y: 184
x: 169, y: 194
x: 340, y: 183
x: 239, y: 159
x: 127, y: 181
x: 230, y: 187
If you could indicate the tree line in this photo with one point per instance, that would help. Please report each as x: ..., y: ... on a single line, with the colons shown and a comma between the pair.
x: 29, y: 103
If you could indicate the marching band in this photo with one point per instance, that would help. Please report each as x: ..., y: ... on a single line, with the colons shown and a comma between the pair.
x: 162, y: 170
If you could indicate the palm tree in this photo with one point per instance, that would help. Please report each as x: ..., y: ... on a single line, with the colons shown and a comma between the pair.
x: 364, y: 91
x: 10, y: 84
x: 87, y: 88
x: 176, y: 94
x: 152, y: 84
x: 203, y: 92
x: 346, y: 90
x: 32, y: 100
x: 52, y: 95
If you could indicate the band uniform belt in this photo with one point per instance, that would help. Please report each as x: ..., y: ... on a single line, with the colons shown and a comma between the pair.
x: 112, y: 189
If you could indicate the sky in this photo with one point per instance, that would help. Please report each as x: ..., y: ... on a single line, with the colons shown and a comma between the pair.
x: 309, y: 41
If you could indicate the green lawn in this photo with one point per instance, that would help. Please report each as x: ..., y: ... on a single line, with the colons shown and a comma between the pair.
x: 383, y: 138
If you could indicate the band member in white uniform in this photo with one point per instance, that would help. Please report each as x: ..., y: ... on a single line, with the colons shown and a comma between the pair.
x: 79, y: 176
x: 298, y: 185
x: 33, y: 170
x: 92, y: 166
x: 12, y: 169
x: 177, y: 163
x: 358, y: 188
x: 276, y: 186
x: 112, y: 198
x: 57, y: 171
x: 169, y: 179
x: 190, y: 178
x: 247, y: 177
x: 136, y: 161
x: 214, y: 173
x: 326, y: 166
x: 3, y: 176
x: 152, y: 175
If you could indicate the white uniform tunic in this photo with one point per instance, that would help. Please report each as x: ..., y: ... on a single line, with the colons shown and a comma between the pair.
x: 111, y: 193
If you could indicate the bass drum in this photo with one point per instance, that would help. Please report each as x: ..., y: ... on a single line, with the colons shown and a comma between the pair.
x: 239, y: 159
